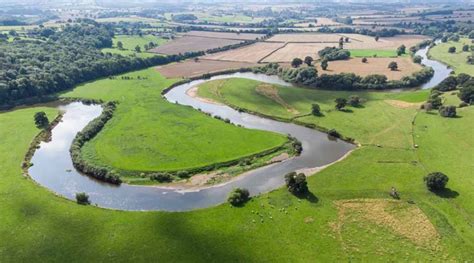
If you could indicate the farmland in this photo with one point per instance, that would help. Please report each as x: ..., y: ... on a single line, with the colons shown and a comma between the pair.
x: 191, y: 68
x: 224, y: 35
x: 130, y: 42
x: 458, y: 60
x: 253, y: 53
x: 374, y: 66
x: 185, y: 44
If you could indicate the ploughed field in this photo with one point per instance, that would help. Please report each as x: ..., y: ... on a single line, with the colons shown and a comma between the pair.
x: 191, y: 68
x: 147, y: 133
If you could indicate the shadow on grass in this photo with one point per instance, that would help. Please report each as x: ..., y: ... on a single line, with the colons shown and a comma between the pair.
x: 310, y: 197
x: 446, y: 193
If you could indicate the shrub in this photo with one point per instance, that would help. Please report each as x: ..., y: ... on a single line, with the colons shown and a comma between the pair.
x: 334, y: 133
x: 238, y: 196
x: 183, y: 174
x: 316, y: 109
x: 465, y: 48
x: 296, y: 62
x: 364, y: 60
x: 447, y: 111
x: 308, y: 60
x: 452, y: 49
x: 340, y: 103
x: 324, y: 64
x: 355, y: 101
x: 436, y: 181
x: 333, y: 53
x: 161, y: 177
x: 41, y: 120
x: 296, y: 183
x: 417, y: 59
x: 393, y: 66
x: 82, y: 198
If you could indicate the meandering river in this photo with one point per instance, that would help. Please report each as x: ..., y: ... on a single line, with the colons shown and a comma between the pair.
x: 53, y: 169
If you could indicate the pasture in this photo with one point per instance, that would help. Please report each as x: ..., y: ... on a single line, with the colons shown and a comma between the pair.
x: 147, y: 133
x: 129, y: 43
x: 458, y: 60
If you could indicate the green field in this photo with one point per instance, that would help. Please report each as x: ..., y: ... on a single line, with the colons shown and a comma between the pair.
x: 208, y: 17
x: 306, y: 230
x: 383, y: 123
x: 147, y: 133
x: 130, y: 42
x: 458, y: 60
x: 359, y: 53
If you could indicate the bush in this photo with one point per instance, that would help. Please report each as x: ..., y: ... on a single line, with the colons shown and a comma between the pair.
x: 436, y: 181
x: 238, y: 196
x: 393, y: 66
x: 452, y: 49
x: 296, y: 62
x: 447, y: 111
x: 364, y: 60
x: 417, y: 59
x: 183, y: 174
x: 340, y: 103
x: 296, y: 183
x: 41, y: 120
x: 334, y: 133
x: 161, y: 177
x: 82, y: 198
x: 355, y: 101
x: 316, y: 109
x: 333, y: 53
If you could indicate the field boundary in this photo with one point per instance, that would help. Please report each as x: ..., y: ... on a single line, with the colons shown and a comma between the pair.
x: 271, y: 53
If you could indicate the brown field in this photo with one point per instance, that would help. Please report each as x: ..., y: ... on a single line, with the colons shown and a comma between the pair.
x: 306, y: 38
x: 189, y: 68
x: 296, y: 50
x: 252, y: 53
x: 374, y: 66
x: 192, y: 44
x: 224, y: 35
x: 367, y: 42
x: 322, y: 21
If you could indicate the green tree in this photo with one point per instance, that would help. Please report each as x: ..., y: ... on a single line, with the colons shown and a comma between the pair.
x: 296, y: 183
x: 355, y: 101
x: 340, y: 103
x: 401, y: 50
x: 436, y: 181
x: 452, y: 49
x: 447, y: 111
x: 238, y: 196
x: 120, y: 45
x: 324, y: 64
x: 465, y: 48
x: 308, y: 60
x: 377, y: 38
x: 316, y: 109
x: 138, y: 49
x: 296, y: 62
x: 417, y: 59
x: 82, y: 198
x: 466, y: 94
x: 364, y: 60
x: 41, y: 120
x: 393, y: 66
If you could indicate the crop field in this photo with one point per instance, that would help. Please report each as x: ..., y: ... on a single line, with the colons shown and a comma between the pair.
x: 224, y: 35
x: 190, y: 68
x: 359, y: 53
x: 377, y: 65
x: 296, y: 50
x: 252, y: 53
x: 159, y: 135
x: 367, y: 42
x: 306, y: 37
x: 458, y: 60
x: 192, y: 44
x: 321, y: 21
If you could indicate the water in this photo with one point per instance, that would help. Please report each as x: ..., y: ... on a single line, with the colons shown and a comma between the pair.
x: 53, y: 167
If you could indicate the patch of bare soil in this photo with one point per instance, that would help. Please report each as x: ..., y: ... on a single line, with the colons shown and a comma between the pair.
x: 403, y: 104
x: 402, y: 219
x: 190, y: 68
x: 192, y: 92
x: 271, y: 92
x: 279, y: 158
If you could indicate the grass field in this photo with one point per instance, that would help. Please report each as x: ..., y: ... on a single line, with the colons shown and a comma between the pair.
x: 383, y: 123
x: 147, y: 133
x: 130, y: 42
x: 458, y: 60
x: 332, y: 229
x: 359, y: 53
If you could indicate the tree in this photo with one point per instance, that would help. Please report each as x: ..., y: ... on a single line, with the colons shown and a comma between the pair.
x: 401, y: 50
x: 417, y: 59
x: 465, y: 48
x: 347, y: 40
x: 120, y: 45
x: 296, y: 62
x: 41, y: 120
x: 364, y: 60
x: 436, y: 181
x: 308, y: 60
x: 355, y: 101
x: 377, y: 38
x: 447, y: 111
x: 462, y: 79
x: 316, y: 109
x: 449, y: 83
x: 82, y: 198
x: 341, y: 42
x: 466, y: 94
x: 393, y: 66
x: 238, y: 196
x: 296, y: 183
x: 324, y: 64
x: 452, y: 49
x: 138, y: 49
x: 340, y: 103
x: 196, y: 59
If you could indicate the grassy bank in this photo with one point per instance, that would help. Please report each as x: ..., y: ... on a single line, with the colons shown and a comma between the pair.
x: 147, y: 133
x: 458, y: 60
